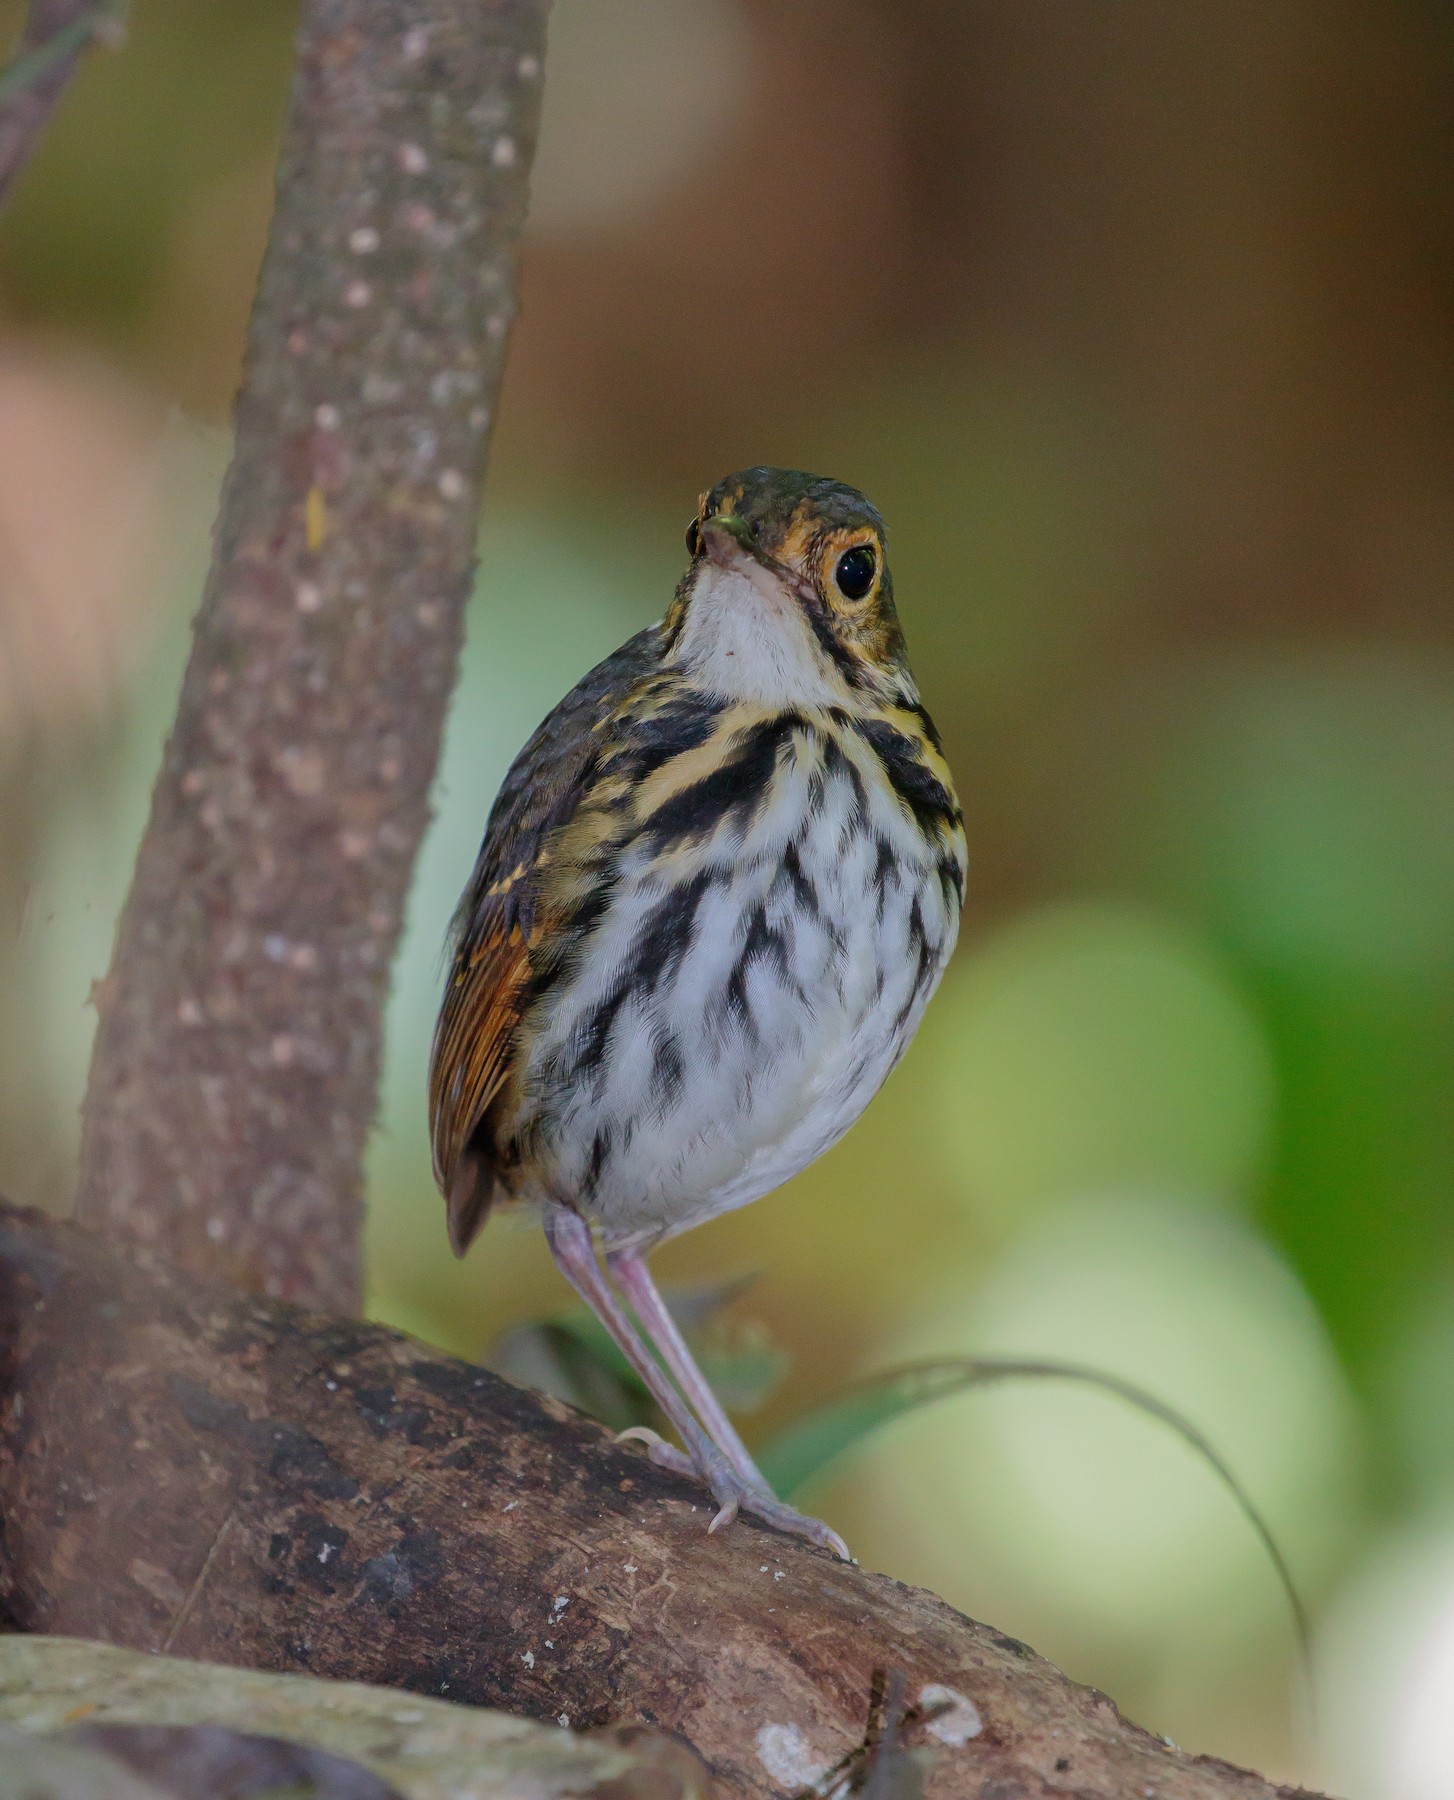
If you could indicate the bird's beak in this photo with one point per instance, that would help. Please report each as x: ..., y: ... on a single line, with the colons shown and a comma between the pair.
x: 727, y: 539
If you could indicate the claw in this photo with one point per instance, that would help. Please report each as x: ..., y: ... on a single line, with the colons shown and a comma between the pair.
x: 734, y: 1498
x: 796, y: 1524
x: 734, y: 1495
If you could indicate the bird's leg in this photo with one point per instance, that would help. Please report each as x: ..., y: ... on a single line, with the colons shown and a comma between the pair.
x: 570, y: 1243
x: 628, y: 1269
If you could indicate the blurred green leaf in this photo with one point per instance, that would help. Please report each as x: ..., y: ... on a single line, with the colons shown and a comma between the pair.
x: 573, y: 1359
x: 802, y: 1450
x: 572, y: 1356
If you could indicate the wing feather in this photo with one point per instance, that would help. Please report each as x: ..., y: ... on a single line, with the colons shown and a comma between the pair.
x: 499, y: 922
x: 472, y: 1041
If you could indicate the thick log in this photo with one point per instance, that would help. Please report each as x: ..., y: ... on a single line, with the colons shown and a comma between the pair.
x: 312, y: 1494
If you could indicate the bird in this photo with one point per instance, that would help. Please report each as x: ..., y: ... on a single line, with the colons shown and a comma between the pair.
x: 716, y: 890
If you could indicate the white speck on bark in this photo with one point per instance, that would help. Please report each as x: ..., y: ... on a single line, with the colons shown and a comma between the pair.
x: 789, y: 1758
x: 960, y: 1723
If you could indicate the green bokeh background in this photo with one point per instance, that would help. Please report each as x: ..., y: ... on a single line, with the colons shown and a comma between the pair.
x: 1137, y: 324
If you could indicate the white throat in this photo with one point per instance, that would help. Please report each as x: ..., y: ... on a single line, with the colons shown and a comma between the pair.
x: 745, y: 638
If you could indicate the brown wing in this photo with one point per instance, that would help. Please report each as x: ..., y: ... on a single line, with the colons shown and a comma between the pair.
x: 473, y: 1042
x: 497, y: 923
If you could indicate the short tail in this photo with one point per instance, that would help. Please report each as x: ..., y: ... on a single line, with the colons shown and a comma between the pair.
x: 471, y: 1195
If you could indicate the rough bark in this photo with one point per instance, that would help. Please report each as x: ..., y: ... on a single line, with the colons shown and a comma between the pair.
x: 234, y: 1077
x: 335, y: 1498
x: 56, y: 34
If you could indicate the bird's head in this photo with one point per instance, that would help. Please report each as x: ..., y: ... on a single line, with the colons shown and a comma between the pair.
x: 788, y: 598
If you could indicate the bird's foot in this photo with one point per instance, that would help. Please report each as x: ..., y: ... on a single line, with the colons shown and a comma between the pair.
x: 776, y: 1513
x: 734, y: 1495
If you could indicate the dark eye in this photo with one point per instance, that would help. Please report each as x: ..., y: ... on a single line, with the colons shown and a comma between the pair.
x: 694, y: 538
x: 854, y: 572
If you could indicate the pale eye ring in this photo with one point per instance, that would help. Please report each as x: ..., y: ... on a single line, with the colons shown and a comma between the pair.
x: 853, y: 573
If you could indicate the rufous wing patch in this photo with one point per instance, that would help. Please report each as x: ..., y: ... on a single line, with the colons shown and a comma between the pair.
x: 473, y: 1052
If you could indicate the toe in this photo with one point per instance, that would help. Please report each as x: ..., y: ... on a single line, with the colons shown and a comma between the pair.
x: 733, y: 1495
x: 796, y: 1524
x: 663, y: 1454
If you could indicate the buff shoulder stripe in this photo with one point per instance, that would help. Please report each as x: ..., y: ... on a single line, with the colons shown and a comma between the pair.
x: 656, y: 738
x: 734, y: 789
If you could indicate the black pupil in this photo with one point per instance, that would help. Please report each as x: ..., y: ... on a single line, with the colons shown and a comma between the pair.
x: 854, y: 573
x: 694, y: 538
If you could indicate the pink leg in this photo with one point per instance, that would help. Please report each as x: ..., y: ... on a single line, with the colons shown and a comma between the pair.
x: 571, y: 1245
x: 629, y: 1271
x: 628, y: 1268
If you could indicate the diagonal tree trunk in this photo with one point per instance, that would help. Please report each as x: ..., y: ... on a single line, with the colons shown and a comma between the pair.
x: 234, y: 1076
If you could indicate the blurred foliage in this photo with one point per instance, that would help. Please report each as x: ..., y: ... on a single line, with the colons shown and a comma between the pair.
x: 1138, y: 323
x: 572, y: 1356
x: 90, y: 239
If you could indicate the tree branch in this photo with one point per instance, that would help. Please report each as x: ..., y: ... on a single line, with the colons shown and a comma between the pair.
x: 333, y: 1497
x: 233, y: 1082
x: 56, y: 33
